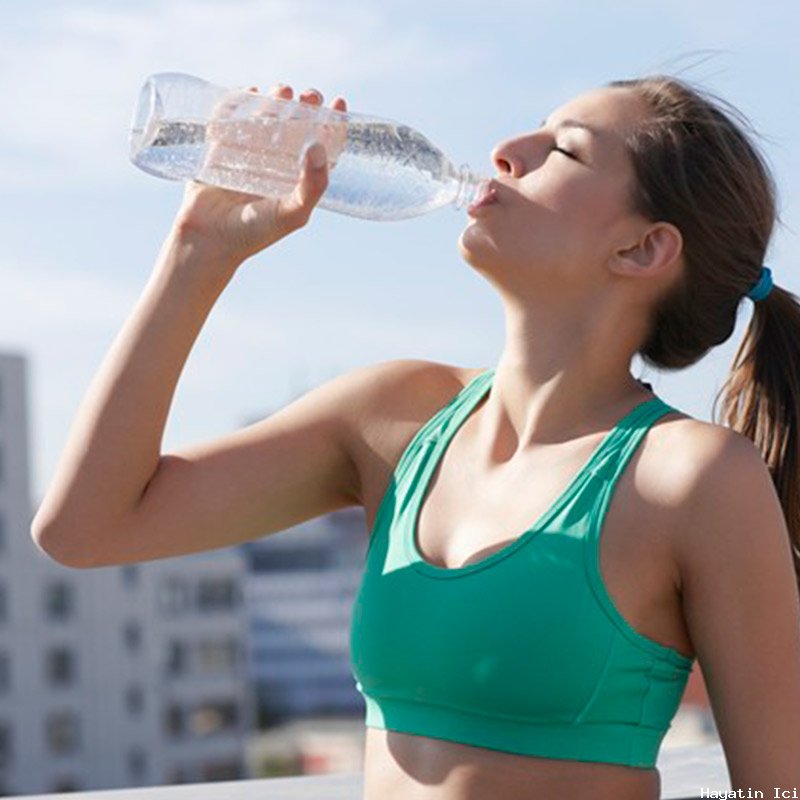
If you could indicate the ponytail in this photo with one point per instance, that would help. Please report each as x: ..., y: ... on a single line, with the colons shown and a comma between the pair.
x: 761, y: 398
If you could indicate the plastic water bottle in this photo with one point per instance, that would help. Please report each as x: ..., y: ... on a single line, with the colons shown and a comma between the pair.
x: 185, y: 128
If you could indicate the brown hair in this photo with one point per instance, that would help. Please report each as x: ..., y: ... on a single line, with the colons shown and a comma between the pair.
x: 697, y: 167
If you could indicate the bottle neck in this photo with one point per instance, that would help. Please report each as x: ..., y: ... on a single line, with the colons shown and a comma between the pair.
x: 470, y: 187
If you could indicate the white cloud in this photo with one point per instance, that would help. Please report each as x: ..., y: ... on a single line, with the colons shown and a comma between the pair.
x: 71, y: 78
x: 48, y: 300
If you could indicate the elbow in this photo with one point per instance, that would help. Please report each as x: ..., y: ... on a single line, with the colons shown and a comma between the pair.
x: 55, y: 544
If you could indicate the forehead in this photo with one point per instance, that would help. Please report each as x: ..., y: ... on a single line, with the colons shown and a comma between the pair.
x: 609, y: 111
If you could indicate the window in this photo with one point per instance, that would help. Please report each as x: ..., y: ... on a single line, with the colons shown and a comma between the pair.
x: 134, y: 700
x: 137, y: 764
x: 177, y: 660
x: 212, y: 717
x: 5, y: 673
x: 132, y: 635
x: 62, y: 732
x: 217, y: 656
x: 173, y: 596
x: 217, y: 594
x: 129, y: 575
x: 174, y: 725
x: 59, y: 600
x: 60, y: 667
x: 6, y: 750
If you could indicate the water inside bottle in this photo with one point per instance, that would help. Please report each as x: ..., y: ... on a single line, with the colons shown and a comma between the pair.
x: 175, y: 151
x: 391, y: 171
x: 379, y: 170
x: 261, y: 155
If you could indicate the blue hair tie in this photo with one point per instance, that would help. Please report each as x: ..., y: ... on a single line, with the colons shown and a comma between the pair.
x: 763, y: 287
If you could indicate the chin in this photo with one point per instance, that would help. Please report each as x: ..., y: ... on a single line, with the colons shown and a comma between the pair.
x: 467, y: 253
x: 472, y: 241
x: 478, y: 251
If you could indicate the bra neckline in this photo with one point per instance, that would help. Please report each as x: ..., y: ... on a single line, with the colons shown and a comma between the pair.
x: 469, y: 398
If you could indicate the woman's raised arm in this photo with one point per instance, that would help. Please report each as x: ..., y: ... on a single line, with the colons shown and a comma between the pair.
x: 112, y: 481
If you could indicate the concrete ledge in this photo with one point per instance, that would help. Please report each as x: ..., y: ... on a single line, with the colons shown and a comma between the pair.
x: 684, y: 772
x: 687, y: 770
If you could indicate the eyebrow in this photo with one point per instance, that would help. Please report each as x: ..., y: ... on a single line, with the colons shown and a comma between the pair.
x: 574, y: 123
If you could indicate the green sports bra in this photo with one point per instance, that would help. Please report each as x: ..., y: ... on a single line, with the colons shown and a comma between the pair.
x: 523, y: 651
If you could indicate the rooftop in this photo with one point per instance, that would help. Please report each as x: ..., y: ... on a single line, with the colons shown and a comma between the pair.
x: 685, y: 771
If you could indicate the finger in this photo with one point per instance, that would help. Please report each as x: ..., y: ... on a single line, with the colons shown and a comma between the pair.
x: 282, y: 90
x: 297, y: 207
x: 312, y: 96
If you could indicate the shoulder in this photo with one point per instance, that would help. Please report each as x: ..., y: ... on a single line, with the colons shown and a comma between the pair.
x: 401, y: 388
x: 732, y: 483
x: 718, y: 488
x: 420, y: 378
x: 383, y: 405
x: 684, y: 455
x: 711, y: 458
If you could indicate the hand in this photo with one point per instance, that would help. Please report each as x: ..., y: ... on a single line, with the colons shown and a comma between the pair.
x: 236, y: 225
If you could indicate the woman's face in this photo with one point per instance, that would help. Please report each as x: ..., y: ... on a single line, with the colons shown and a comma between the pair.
x: 563, y: 197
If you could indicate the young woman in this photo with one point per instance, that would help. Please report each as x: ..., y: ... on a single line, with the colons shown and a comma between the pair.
x: 503, y: 652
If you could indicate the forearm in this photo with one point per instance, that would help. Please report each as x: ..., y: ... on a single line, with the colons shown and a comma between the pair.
x: 114, y: 444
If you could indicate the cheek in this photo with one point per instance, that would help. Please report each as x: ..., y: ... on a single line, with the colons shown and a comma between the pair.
x: 588, y: 209
x: 563, y: 220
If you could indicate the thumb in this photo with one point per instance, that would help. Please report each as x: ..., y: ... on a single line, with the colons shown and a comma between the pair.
x: 311, y: 186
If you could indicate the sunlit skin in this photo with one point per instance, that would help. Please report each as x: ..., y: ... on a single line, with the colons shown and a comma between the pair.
x: 578, y: 273
x: 695, y: 550
x: 577, y: 270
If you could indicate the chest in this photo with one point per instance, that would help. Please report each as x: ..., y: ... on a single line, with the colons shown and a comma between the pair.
x: 468, y: 514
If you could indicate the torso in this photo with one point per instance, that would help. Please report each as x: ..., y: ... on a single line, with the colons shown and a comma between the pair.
x: 464, y: 519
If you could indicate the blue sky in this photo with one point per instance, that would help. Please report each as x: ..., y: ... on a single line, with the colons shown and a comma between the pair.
x: 81, y: 226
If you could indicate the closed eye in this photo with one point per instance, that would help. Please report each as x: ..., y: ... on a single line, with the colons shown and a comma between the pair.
x: 566, y: 153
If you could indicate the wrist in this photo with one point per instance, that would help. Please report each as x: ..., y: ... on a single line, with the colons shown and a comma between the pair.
x: 185, y: 245
x: 187, y: 268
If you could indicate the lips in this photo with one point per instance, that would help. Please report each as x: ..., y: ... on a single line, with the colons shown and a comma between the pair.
x: 487, y: 197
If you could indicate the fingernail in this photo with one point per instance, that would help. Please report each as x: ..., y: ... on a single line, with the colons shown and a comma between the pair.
x: 316, y: 155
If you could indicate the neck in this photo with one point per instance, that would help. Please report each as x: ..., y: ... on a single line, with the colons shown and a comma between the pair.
x: 560, y: 376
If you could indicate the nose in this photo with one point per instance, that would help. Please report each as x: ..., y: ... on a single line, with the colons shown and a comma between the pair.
x: 507, y: 161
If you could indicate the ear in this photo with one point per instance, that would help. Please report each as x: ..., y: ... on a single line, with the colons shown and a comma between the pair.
x: 657, y: 250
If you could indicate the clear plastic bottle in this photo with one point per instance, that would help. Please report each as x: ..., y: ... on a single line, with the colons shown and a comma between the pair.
x: 185, y: 128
